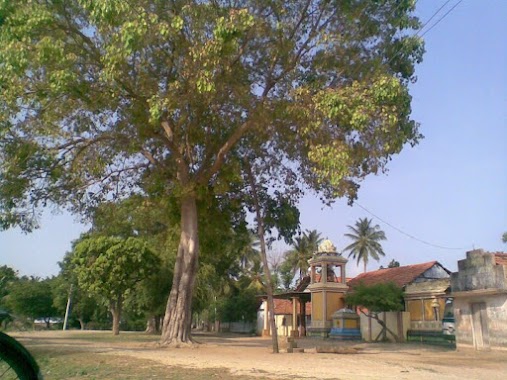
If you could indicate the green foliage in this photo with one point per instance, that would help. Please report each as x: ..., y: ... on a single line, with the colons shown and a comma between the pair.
x: 304, y: 246
x: 376, y: 298
x: 242, y: 305
x: 31, y: 298
x: 110, y: 267
x: 286, y: 275
x: 366, y: 241
x: 115, y: 94
x: 7, y: 277
x: 84, y: 306
x: 504, y: 237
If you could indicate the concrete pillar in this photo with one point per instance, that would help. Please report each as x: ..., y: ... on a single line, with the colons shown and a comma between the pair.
x: 265, y: 332
x: 294, y: 331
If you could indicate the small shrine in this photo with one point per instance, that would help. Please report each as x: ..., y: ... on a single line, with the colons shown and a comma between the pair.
x: 345, y: 325
x: 327, y: 287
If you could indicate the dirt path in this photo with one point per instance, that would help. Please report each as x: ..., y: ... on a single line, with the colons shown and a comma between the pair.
x: 251, y: 356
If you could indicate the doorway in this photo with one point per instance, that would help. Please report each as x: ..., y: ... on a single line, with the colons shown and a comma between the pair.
x: 480, y: 326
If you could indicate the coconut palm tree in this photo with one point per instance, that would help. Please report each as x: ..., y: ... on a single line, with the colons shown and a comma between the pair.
x: 314, y: 239
x: 250, y: 255
x: 303, y: 247
x: 366, y: 238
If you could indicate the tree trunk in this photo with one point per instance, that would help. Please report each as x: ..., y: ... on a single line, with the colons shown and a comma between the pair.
x: 267, y: 272
x: 151, y: 326
x: 81, y: 323
x: 116, y: 313
x: 178, y: 314
x: 384, y: 329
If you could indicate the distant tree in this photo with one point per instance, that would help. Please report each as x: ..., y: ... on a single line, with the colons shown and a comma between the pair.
x: 504, y: 237
x: 250, y: 253
x: 313, y: 238
x: 32, y: 298
x: 376, y: 299
x: 111, y: 267
x: 286, y: 275
x: 303, y: 247
x: 366, y: 238
x: 242, y: 305
x: 7, y: 277
x: 393, y: 264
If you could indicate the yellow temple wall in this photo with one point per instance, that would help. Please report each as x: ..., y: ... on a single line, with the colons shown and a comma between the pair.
x: 334, y: 302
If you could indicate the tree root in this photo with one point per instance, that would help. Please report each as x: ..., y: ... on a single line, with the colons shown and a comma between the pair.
x: 176, y: 343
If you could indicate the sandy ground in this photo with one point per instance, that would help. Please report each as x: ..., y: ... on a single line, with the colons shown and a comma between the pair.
x: 252, y: 356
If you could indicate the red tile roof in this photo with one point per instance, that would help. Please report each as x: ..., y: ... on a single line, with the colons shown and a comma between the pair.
x: 500, y: 258
x: 401, y: 276
x: 285, y: 307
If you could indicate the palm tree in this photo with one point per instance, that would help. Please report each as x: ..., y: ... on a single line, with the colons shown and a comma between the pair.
x: 366, y: 238
x: 314, y: 239
x: 249, y: 255
x: 303, y: 247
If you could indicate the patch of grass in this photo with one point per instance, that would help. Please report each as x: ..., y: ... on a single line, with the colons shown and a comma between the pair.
x: 71, y: 363
x: 107, y: 336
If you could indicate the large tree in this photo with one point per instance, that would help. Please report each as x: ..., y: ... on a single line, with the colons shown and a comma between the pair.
x: 366, y: 239
x: 104, y: 98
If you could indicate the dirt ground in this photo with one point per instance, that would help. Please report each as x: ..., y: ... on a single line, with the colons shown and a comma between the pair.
x: 252, y: 357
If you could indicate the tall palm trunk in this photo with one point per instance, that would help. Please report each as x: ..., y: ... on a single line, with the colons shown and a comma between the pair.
x: 178, y: 314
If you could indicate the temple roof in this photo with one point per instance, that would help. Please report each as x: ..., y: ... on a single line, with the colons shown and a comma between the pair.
x: 401, y: 276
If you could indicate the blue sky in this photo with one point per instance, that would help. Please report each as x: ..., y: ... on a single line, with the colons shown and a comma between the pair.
x: 450, y: 190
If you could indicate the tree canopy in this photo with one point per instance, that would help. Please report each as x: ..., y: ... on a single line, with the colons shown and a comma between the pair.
x: 105, y: 98
x: 110, y: 267
x: 7, y: 276
x: 32, y: 298
x: 375, y: 299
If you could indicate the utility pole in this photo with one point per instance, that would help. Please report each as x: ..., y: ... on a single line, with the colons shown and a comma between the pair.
x: 67, y: 309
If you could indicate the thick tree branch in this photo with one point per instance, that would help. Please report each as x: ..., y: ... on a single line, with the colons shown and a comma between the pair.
x: 205, y: 175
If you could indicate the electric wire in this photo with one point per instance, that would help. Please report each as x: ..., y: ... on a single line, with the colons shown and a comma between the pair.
x: 432, y: 17
x: 410, y: 235
x: 441, y: 18
x: 426, y: 23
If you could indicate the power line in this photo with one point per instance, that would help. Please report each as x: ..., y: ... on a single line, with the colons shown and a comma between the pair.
x: 433, y: 16
x: 426, y: 23
x: 441, y: 18
x: 396, y: 53
x: 410, y: 235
